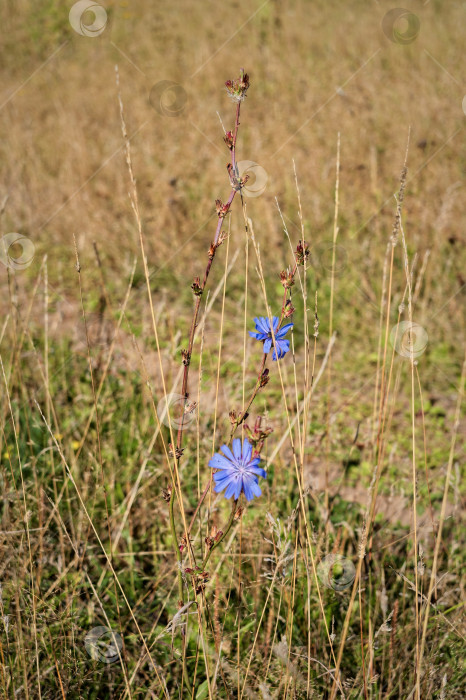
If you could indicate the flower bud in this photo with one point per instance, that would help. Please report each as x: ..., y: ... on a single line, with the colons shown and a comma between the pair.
x: 264, y: 378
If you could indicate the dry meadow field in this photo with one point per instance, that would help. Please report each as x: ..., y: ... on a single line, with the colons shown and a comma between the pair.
x: 128, y: 299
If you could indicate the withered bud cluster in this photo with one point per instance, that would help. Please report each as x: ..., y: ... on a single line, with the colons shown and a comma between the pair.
x: 236, y: 182
x: 200, y: 577
x: 257, y: 436
x: 213, y: 538
x: 302, y: 252
x: 237, y: 88
x: 167, y: 493
x: 177, y: 451
x: 183, y: 543
x: 287, y: 278
x: 237, y: 418
x: 229, y: 140
x: 197, y: 287
x: 222, y: 209
x: 213, y: 246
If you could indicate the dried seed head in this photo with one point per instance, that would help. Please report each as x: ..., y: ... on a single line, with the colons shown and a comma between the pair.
x: 399, y: 206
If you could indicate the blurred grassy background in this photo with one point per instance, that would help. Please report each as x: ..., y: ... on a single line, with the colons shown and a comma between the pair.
x: 317, y: 69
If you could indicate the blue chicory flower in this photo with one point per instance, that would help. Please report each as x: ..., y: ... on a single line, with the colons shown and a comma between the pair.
x: 238, y: 471
x: 264, y: 332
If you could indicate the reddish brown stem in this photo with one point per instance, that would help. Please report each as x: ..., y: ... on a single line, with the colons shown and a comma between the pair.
x: 184, y: 386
